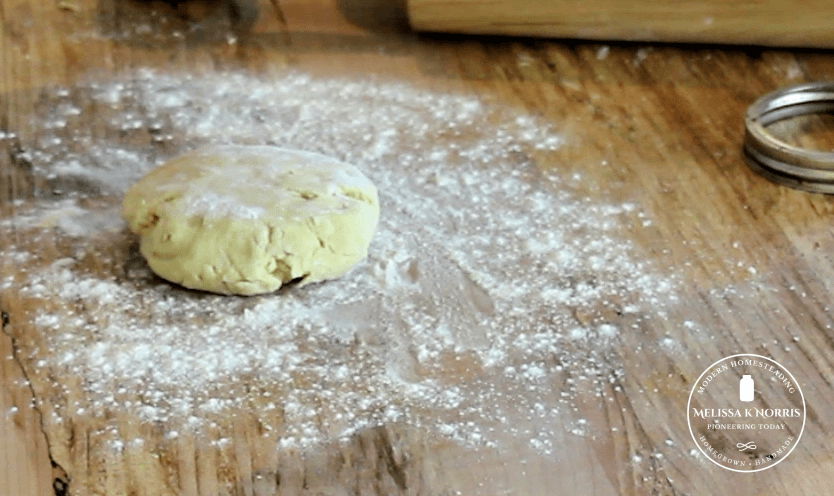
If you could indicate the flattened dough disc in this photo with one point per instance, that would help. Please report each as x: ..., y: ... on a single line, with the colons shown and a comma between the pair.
x: 247, y: 219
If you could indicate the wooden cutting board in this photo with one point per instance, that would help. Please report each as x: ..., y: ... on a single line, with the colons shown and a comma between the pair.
x: 760, y: 22
x: 654, y: 125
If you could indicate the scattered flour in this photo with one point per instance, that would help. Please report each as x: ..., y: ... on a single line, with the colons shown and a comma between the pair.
x: 66, y: 216
x: 490, y: 300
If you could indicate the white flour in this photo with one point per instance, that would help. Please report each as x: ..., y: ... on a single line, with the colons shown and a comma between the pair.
x: 489, y: 301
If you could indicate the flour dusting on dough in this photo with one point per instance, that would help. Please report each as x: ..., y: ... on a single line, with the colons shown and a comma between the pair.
x: 212, y: 205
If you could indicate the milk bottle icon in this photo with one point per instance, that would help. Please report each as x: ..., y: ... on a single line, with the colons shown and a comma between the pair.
x: 745, y: 388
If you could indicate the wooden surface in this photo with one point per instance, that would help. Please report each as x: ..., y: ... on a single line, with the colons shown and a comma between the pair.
x: 764, y: 22
x: 669, y: 120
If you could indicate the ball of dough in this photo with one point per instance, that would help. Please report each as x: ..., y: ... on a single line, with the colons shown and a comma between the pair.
x: 247, y: 219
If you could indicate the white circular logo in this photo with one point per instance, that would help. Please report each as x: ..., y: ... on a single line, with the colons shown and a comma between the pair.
x: 746, y: 413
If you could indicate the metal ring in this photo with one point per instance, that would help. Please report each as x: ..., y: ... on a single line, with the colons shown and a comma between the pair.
x: 780, y: 162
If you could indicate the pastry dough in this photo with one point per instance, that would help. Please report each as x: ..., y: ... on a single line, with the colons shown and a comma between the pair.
x: 248, y: 219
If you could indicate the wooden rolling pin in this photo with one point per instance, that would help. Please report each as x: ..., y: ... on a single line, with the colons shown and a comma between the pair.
x: 808, y: 23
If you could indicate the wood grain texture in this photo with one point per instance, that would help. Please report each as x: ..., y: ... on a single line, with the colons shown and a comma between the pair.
x: 761, y: 22
x: 25, y: 464
x: 657, y: 125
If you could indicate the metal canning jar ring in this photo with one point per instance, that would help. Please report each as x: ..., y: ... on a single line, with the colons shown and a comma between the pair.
x: 780, y: 162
